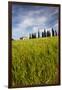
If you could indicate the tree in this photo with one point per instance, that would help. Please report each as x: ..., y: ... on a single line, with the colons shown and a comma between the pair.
x: 48, y: 33
x: 33, y: 35
x: 38, y: 34
x: 52, y: 32
x: 30, y: 36
x: 12, y: 39
x: 55, y: 33
x: 21, y: 37
x: 44, y: 33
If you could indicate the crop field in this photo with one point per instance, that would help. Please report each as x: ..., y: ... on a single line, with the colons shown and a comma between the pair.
x: 35, y: 62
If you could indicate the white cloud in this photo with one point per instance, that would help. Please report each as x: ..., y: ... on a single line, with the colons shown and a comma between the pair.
x: 35, y: 29
x: 56, y: 27
x: 36, y: 12
x: 27, y: 22
x: 32, y: 19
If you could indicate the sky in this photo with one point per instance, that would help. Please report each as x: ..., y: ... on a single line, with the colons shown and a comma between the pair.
x: 28, y: 19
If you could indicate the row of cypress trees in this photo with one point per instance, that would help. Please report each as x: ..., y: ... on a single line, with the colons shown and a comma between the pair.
x: 44, y: 34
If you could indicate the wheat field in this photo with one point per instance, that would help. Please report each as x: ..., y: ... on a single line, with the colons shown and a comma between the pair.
x: 35, y: 62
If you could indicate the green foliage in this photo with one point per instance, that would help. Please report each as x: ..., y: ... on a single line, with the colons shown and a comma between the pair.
x: 35, y: 61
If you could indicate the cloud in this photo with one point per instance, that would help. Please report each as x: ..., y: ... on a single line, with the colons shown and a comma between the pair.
x: 31, y: 21
x: 27, y: 20
x: 56, y: 27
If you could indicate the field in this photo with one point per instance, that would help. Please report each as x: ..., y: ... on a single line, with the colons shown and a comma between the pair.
x: 35, y: 62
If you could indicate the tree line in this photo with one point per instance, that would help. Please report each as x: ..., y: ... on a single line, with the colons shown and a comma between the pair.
x: 44, y: 34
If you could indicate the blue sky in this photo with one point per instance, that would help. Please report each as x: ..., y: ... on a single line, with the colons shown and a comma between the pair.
x: 28, y: 18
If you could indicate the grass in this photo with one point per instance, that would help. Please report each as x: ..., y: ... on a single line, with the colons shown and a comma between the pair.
x: 35, y: 61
